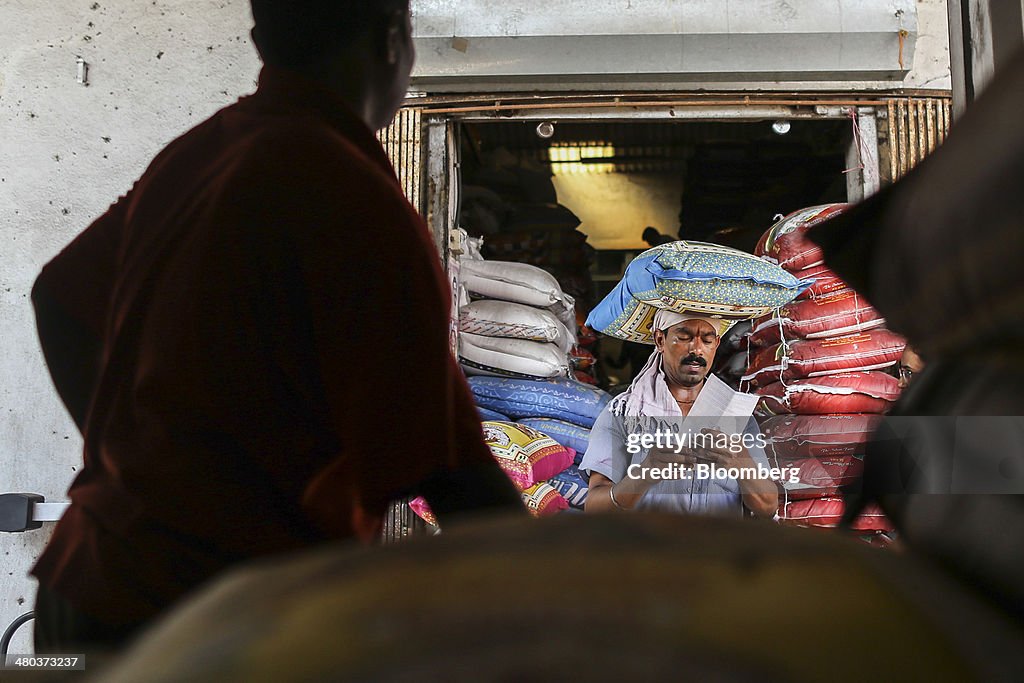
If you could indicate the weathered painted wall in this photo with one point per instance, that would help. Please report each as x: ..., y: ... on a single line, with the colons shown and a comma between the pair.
x: 66, y: 152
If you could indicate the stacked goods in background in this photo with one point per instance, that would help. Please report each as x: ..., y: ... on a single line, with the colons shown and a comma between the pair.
x: 561, y: 409
x: 511, y: 203
x: 520, y: 324
x: 819, y: 363
x: 529, y: 458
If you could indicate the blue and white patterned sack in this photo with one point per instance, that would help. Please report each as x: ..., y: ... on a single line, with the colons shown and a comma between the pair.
x: 573, y: 487
x: 697, y: 277
x: 560, y: 398
x: 565, y: 433
x: 492, y: 415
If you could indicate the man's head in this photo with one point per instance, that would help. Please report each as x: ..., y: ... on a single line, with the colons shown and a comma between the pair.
x: 910, y: 364
x: 651, y: 236
x: 361, y: 48
x: 688, y: 346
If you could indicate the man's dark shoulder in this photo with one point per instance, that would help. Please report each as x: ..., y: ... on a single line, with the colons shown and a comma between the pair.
x: 312, y: 149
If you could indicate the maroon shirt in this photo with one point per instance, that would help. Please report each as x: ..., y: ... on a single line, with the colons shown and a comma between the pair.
x: 275, y: 368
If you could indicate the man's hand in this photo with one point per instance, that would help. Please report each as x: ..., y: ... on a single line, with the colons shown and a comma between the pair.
x: 761, y: 496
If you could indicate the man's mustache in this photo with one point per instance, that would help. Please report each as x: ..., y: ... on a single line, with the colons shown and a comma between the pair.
x: 694, y: 358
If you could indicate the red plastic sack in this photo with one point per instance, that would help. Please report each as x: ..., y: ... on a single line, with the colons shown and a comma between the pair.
x: 585, y: 335
x: 811, y: 436
x: 827, y: 512
x: 584, y: 377
x: 812, y: 358
x: 838, y: 315
x: 848, y: 392
x: 823, y: 473
x: 581, y: 358
x: 825, y: 282
x: 784, y: 243
x: 819, y: 477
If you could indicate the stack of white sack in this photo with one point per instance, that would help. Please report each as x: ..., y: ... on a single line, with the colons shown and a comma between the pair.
x: 520, y: 324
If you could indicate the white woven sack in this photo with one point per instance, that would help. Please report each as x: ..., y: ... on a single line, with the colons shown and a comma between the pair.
x: 517, y: 282
x: 511, y: 357
x: 492, y: 318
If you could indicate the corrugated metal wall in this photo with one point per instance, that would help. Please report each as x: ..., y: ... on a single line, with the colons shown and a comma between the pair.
x: 402, y: 141
x: 917, y: 125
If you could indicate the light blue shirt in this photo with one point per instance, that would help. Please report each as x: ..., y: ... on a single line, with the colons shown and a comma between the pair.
x: 607, y: 454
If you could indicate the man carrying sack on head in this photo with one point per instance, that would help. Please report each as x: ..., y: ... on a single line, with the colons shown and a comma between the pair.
x: 671, y: 441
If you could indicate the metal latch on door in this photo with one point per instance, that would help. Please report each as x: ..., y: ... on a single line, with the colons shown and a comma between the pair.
x: 27, y: 511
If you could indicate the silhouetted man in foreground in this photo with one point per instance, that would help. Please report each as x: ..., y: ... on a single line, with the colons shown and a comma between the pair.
x: 202, y: 335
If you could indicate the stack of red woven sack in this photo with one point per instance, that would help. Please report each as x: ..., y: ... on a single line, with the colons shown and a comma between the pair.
x: 819, y: 363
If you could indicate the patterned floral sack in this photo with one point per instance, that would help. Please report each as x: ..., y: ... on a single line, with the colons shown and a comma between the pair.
x: 572, y: 485
x: 569, y: 435
x: 563, y: 399
x: 526, y: 455
x: 706, y: 279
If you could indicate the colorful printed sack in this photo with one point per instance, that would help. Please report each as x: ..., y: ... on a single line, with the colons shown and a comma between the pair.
x: 572, y: 485
x: 526, y: 455
x: 540, y: 500
x: 563, y: 399
x: 569, y: 435
x: 698, y: 277
x: 486, y: 414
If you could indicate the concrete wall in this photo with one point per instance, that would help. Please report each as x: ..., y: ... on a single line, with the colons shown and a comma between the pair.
x: 995, y: 33
x: 66, y: 152
x: 476, y: 45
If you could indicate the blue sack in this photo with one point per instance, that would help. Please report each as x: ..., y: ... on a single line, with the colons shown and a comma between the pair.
x: 565, y: 433
x: 562, y: 399
x: 697, y: 277
x: 572, y: 486
x: 491, y: 415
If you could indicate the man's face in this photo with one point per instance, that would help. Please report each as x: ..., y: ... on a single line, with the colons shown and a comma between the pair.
x: 689, y: 350
x: 910, y: 365
x: 400, y: 57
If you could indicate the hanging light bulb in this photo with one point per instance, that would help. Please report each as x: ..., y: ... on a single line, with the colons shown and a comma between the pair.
x: 545, y: 129
x: 781, y: 127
